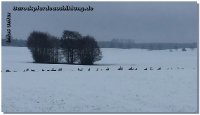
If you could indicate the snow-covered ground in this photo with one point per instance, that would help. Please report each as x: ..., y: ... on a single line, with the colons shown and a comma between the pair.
x: 171, y: 89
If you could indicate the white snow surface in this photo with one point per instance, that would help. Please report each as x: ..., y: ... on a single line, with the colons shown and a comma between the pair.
x: 171, y: 89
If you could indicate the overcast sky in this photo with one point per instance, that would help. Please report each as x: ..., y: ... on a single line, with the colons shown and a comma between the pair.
x: 141, y: 21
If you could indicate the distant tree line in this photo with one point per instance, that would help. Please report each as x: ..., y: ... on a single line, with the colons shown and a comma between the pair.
x: 120, y: 43
x: 72, y: 47
x: 127, y: 44
x: 14, y: 42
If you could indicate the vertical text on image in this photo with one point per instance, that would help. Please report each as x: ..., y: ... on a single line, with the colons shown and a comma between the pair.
x: 8, y: 25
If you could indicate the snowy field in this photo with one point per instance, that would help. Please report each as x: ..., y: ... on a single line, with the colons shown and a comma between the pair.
x: 171, y: 89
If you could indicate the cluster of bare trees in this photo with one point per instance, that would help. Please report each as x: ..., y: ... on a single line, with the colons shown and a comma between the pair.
x: 44, y: 47
x: 75, y: 48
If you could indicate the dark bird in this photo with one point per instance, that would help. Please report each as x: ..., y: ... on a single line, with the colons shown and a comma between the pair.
x: 60, y: 69
x: 159, y: 68
x: 97, y: 69
x: 145, y: 69
x: 42, y: 70
x: 107, y: 68
x: 135, y: 68
x: 32, y: 70
x: 80, y: 69
x: 131, y: 68
x: 120, y: 68
x: 53, y: 69
x: 8, y: 70
x: 89, y: 69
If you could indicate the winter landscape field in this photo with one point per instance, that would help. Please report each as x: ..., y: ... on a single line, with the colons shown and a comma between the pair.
x: 173, y: 88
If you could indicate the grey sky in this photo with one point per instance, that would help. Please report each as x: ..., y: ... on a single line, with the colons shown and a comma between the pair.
x: 141, y: 21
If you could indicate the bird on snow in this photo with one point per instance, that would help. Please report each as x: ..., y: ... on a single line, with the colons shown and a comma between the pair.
x: 159, y: 68
x: 107, y: 68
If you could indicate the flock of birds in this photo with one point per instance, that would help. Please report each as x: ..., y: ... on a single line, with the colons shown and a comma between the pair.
x: 107, y: 69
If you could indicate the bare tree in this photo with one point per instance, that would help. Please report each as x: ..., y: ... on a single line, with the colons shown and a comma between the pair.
x: 42, y: 47
x: 54, y: 50
x: 88, y: 51
x: 69, y: 45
